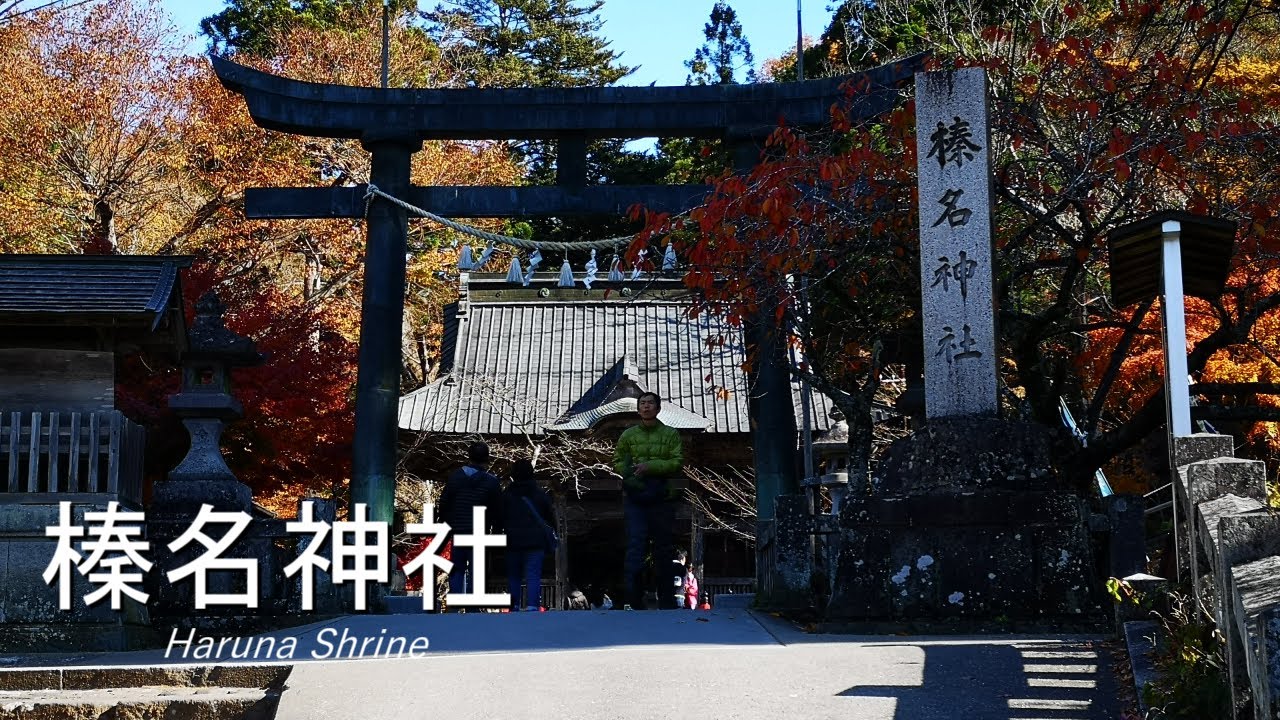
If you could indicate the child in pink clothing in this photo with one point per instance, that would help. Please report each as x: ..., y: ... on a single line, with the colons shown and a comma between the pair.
x: 690, y: 589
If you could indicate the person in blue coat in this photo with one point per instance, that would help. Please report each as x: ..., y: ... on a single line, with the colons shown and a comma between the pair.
x: 529, y: 517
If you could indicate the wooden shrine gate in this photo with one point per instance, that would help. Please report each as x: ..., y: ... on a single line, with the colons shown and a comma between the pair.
x: 392, y: 125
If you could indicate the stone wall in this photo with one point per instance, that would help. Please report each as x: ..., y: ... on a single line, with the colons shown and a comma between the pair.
x: 1230, y: 540
x: 30, y: 617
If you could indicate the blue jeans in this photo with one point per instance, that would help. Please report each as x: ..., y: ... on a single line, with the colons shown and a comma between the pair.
x: 524, y: 567
x: 460, y: 580
x: 644, y: 523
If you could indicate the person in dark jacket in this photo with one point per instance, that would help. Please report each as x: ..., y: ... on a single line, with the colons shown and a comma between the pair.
x: 649, y: 457
x: 469, y: 487
x: 527, y: 511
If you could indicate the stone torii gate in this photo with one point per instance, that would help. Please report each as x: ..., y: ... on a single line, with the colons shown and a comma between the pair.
x: 392, y: 125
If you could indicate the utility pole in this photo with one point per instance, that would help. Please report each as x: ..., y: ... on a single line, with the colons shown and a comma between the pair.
x: 387, y: 41
x: 799, y: 43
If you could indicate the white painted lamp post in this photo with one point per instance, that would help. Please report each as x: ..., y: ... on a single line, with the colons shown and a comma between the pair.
x: 1171, y: 254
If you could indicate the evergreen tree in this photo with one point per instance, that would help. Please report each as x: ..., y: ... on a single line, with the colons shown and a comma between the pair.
x: 526, y: 43
x: 725, y: 51
x: 540, y: 43
x: 252, y: 26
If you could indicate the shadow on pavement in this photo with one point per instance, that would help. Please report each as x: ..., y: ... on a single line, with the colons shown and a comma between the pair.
x: 1002, y: 681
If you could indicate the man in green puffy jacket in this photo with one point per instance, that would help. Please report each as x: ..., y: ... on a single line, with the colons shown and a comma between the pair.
x: 649, y: 457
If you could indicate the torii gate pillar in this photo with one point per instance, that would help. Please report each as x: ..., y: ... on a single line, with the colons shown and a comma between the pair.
x: 373, y: 457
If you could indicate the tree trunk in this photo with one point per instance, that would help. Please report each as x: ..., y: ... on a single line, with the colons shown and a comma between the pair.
x: 102, y: 231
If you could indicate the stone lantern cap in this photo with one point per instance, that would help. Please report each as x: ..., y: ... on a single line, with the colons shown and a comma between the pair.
x: 212, y: 350
x: 836, y: 438
x: 209, y: 338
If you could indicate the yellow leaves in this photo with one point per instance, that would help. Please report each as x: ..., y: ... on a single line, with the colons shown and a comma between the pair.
x: 1251, y: 76
x: 88, y: 109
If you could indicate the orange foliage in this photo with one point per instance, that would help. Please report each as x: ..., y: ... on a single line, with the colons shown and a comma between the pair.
x: 1096, y: 122
x: 111, y: 141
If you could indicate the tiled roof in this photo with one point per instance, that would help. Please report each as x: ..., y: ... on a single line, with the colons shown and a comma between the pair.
x: 671, y: 414
x: 62, y: 287
x: 522, y: 365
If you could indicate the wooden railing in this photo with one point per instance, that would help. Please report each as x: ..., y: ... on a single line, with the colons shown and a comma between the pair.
x: 70, y: 452
x: 712, y: 586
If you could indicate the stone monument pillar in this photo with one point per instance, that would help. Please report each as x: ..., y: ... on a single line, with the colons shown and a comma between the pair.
x: 968, y: 520
x: 952, y: 141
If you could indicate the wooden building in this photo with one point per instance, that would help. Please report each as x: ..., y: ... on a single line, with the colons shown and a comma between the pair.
x: 65, y: 320
x: 541, y: 359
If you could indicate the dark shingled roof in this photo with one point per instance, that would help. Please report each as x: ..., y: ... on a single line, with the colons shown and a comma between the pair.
x: 89, y: 289
x: 536, y: 362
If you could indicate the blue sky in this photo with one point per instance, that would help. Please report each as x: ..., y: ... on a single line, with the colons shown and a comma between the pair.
x: 658, y: 35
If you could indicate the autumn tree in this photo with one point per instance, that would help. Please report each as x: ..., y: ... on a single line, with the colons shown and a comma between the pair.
x: 87, y: 126
x: 1099, y: 117
x: 812, y: 239
x: 1108, y: 118
x: 111, y: 141
x: 317, y: 264
x: 11, y: 10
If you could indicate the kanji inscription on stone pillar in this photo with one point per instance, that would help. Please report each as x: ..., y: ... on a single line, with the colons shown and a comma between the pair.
x: 953, y: 162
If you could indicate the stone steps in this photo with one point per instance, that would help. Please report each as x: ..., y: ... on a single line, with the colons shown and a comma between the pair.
x: 171, y: 693
x: 403, y: 604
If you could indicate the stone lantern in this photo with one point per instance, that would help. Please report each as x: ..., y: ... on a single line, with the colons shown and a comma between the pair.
x: 831, y: 457
x: 205, y: 405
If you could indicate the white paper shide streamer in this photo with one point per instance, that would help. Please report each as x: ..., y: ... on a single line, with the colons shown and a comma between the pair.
x: 591, y: 268
x: 515, y: 274
x: 534, y: 261
x: 566, y: 273
x: 635, y: 271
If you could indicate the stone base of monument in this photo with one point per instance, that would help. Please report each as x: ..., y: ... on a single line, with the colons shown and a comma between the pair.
x: 174, y: 507
x: 30, y: 617
x: 968, y: 524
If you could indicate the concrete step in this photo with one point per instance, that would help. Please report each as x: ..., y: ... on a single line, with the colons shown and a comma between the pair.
x: 142, y: 693
x: 403, y: 604
x: 733, y: 601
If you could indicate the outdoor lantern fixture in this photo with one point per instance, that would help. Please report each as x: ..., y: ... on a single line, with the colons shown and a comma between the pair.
x: 1171, y: 254
x: 205, y: 403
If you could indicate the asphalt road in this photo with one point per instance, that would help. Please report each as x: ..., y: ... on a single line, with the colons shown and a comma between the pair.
x: 728, y: 664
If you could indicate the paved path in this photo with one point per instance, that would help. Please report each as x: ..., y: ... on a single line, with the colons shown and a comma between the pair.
x: 679, y: 664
